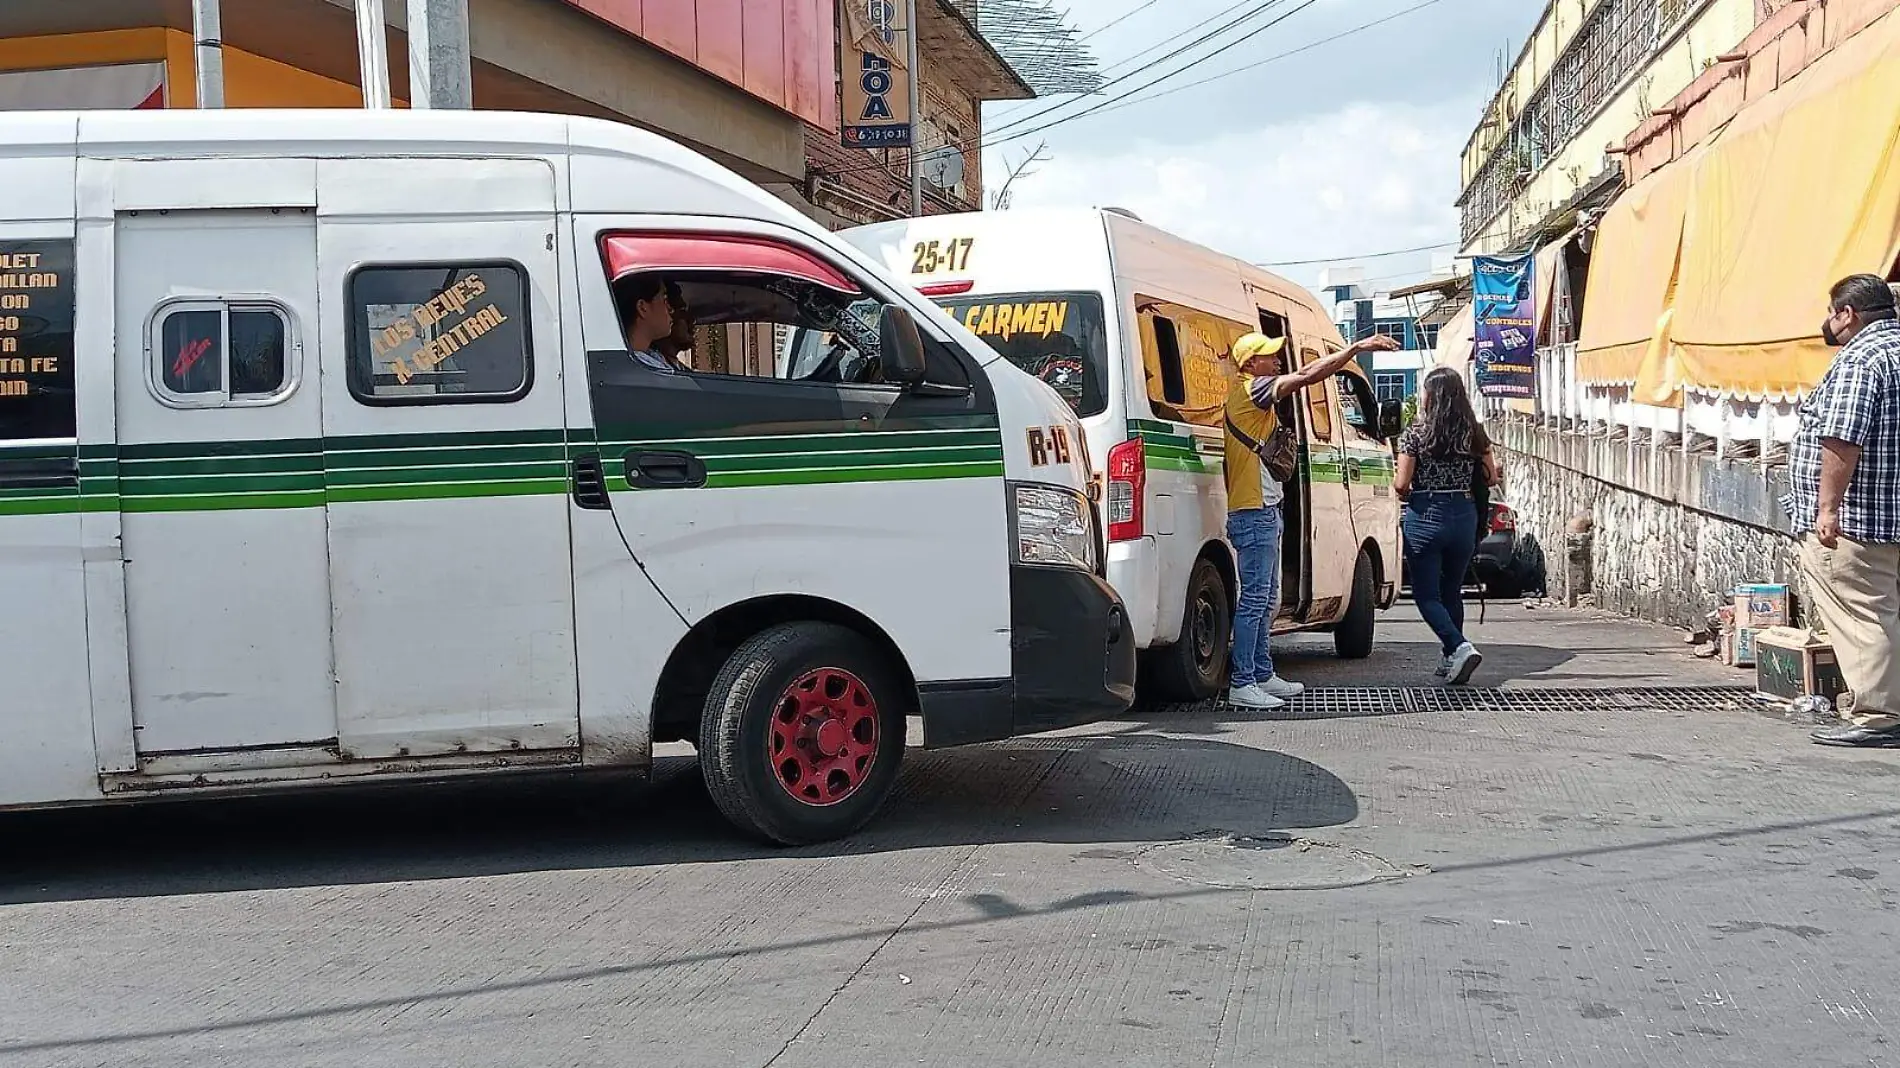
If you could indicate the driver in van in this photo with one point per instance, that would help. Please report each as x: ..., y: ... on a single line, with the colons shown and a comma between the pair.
x: 1255, y: 523
x: 646, y: 310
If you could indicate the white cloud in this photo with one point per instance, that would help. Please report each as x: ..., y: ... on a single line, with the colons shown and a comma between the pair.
x: 1366, y: 177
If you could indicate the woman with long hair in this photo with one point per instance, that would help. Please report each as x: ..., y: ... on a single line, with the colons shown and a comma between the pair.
x: 1442, y: 455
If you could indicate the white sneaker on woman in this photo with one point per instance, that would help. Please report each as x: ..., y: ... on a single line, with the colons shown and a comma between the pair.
x: 1464, y: 660
x: 1282, y: 688
x: 1254, y: 698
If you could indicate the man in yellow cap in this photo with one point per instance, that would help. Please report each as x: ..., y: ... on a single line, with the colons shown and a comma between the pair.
x: 1254, y: 521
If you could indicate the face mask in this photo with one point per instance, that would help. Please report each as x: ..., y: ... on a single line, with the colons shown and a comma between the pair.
x: 1827, y: 333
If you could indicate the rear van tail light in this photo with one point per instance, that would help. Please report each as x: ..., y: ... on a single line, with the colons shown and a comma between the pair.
x: 1127, y: 486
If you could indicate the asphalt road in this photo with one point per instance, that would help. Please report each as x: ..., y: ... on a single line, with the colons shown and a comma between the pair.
x: 1624, y: 879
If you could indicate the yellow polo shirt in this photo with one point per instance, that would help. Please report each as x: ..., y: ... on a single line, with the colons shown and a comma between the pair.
x: 1250, y: 407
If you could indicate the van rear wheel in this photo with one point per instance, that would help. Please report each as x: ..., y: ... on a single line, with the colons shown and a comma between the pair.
x: 1195, y: 667
x: 802, y: 733
x: 1352, y: 639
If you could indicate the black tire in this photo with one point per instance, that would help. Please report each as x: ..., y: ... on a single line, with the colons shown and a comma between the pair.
x: 1352, y: 638
x: 742, y: 724
x: 1195, y: 667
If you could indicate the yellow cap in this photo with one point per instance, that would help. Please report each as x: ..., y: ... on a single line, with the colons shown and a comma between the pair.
x: 1257, y: 345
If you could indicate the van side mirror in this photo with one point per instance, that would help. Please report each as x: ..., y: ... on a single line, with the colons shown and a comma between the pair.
x: 1391, y: 419
x: 900, y: 346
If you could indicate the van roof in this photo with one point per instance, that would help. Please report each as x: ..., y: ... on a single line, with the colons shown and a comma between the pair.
x: 337, y: 132
x: 1120, y: 220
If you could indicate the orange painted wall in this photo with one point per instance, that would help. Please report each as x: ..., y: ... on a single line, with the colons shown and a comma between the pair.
x: 82, y: 49
x: 250, y: 81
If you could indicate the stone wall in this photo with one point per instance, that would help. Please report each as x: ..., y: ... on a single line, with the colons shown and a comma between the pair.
x: 1671, y: 533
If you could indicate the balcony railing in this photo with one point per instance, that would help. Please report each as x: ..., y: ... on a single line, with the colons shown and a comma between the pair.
x: 1722, y: 426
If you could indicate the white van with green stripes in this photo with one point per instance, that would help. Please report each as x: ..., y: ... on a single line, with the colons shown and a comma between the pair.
x: 1135, y: 326
x: 325, y: 455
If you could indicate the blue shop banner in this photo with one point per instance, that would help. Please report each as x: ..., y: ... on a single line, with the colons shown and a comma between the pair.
x: 1504, y: 354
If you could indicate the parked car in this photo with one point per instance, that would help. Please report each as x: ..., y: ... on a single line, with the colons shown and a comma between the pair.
x: 1501, y: 566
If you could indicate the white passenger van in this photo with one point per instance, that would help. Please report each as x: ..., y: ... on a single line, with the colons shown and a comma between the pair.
x: 323, y: 458
x: 1135, y: 326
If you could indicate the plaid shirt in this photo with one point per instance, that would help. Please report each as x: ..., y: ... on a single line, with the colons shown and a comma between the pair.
x: 1858, y: 401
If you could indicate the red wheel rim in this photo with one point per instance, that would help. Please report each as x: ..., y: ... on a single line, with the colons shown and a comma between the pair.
x: 824, y: 737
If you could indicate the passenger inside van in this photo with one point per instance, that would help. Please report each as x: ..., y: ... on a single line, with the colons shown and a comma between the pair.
x: 678, y: 345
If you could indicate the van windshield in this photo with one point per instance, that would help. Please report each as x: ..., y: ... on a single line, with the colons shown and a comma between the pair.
x: 1058, y: 337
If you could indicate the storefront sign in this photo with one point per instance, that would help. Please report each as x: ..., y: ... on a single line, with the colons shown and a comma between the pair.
x: 1504, y: 356
x: 876, y: 75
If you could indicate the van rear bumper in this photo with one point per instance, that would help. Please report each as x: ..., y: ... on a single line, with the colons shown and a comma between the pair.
x: 1072, y: 661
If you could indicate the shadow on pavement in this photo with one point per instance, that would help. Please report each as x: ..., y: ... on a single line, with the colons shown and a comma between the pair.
x: 1089, y: 789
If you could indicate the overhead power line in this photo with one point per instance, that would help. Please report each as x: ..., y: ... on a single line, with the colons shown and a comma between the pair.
x: 984, y: 142
x: 1212, y: 78
x: 1119, y: 19
x: 1259, y: 6
x: 1358, y: 256
x: 1093, y: 109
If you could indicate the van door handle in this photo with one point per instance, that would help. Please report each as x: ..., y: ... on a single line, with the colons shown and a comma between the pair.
x: 665, y: 470
x: 60, y: 472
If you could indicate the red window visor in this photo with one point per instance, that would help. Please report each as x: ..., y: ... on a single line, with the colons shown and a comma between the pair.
x: 628, y: 253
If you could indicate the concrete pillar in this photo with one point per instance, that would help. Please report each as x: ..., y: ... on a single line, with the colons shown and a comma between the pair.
x: 438, y: 55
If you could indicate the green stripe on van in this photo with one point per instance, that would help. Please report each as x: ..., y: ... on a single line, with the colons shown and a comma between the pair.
x: 309, y: 472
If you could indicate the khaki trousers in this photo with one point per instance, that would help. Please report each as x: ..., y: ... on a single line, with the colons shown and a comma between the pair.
x: 1854, y: 593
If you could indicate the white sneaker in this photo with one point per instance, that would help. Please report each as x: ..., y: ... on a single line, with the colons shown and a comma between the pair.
x: 1443, y: 670
x: 1253, y: 697
x: 1276, y: 686
x: 1464, y: 661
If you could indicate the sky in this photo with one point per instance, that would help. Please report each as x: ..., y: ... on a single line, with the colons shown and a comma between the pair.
x: 1347, y: 148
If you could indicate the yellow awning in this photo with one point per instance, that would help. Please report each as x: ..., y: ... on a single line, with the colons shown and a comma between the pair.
x: 1801, y: 190
x: 1632, y: 264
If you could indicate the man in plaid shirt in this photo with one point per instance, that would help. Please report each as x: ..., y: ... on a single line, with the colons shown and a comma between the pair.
x: 1844, y: 499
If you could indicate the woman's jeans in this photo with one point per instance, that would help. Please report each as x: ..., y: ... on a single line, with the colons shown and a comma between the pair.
x: 1441, y: 531
x: 1255, y: 533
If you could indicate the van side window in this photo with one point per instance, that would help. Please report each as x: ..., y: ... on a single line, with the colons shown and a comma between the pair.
x: 37, y: 399
x: 1168, y: 356
x: 442, y: 333
x: 1186, y: 355
x: 214, y: 353
x: 1319, y: 411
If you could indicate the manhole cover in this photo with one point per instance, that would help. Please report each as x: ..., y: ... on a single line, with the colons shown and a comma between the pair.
x: 1271, y: 862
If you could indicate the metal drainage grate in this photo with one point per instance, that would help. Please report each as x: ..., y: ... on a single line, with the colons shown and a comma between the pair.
x: 1351, y: 701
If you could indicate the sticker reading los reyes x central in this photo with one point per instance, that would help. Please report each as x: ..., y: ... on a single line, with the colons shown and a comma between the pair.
x: 438, y: 328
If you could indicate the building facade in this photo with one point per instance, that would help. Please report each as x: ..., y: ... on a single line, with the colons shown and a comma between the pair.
x: 739, y: 80
x: 1402, y: 315
x: 1589, y: 73
x: 961, y: 69
x: 1745, y: 158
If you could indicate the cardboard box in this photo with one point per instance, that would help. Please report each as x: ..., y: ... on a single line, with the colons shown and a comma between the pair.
x: 1745, y: 639
x: 1762, y: 606
x: 1791, y: 663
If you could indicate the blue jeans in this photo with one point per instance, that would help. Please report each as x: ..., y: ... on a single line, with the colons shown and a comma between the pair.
x: 1255, y: 533
x: 1441, y: 532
